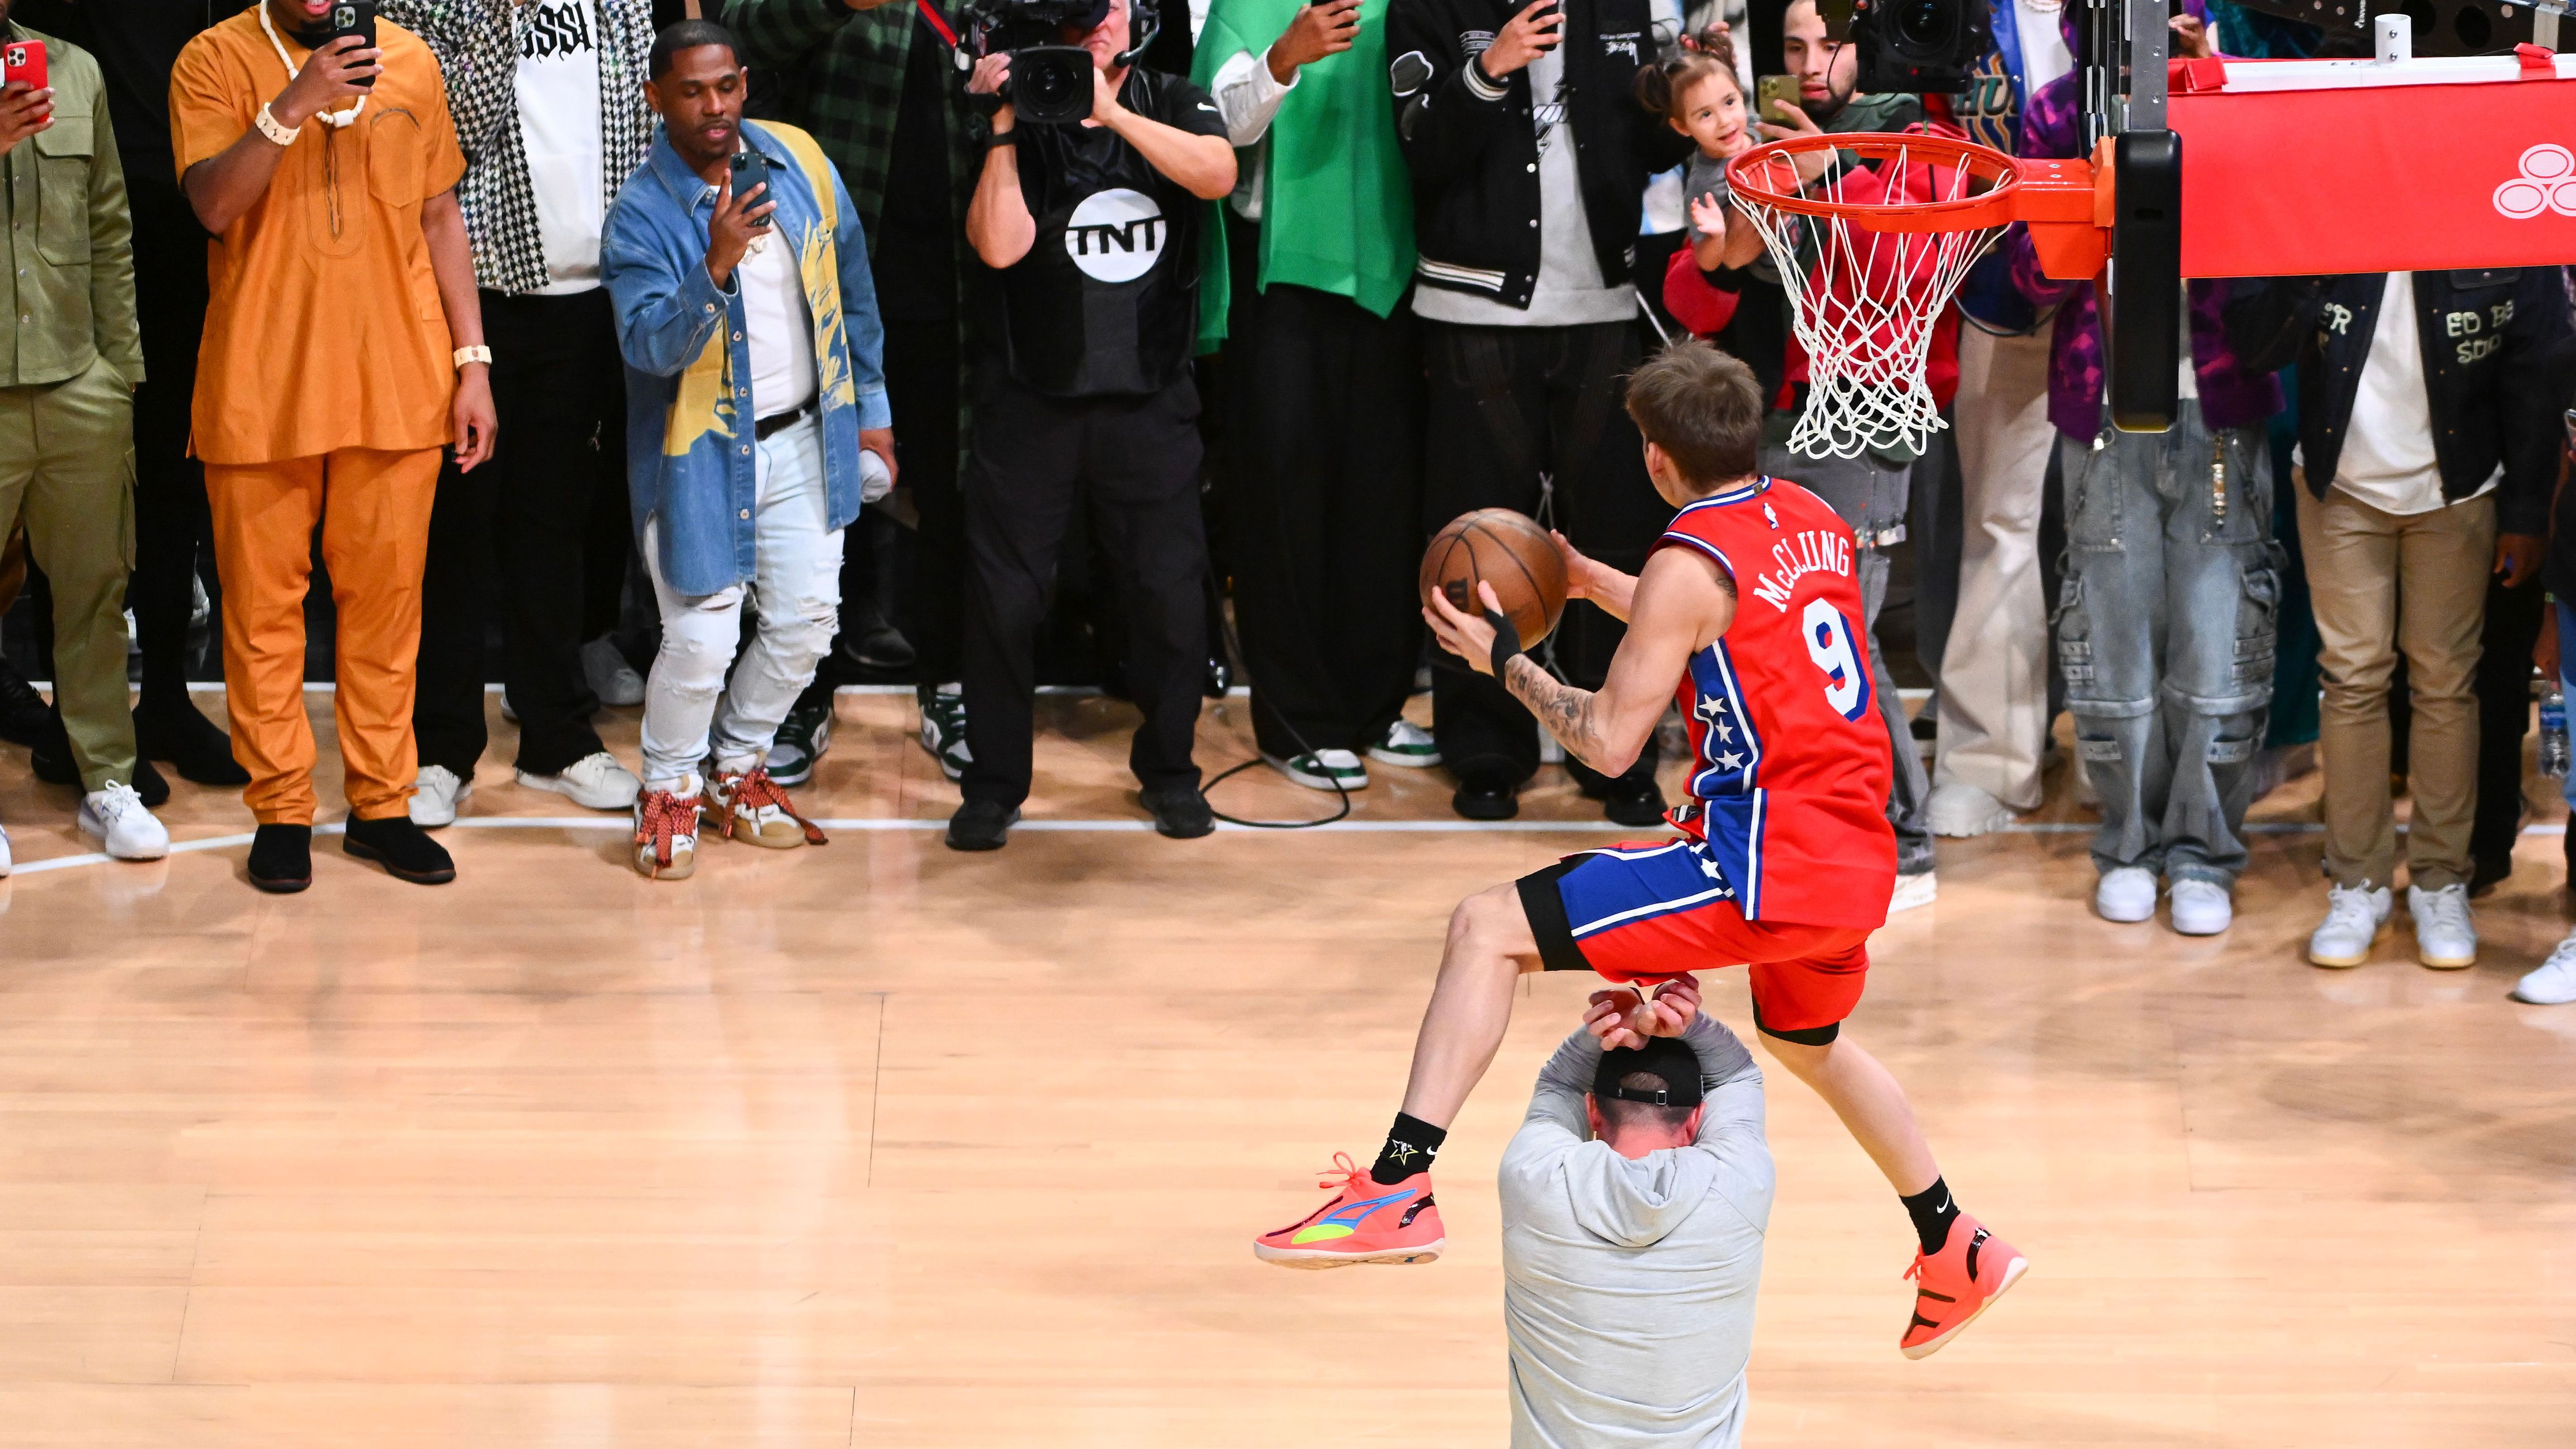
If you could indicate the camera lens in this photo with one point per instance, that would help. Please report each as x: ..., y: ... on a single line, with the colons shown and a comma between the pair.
x: 1049, y: 86
x: 1925, y: 23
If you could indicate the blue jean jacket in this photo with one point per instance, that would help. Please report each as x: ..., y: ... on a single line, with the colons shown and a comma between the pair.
x: 689, y: 410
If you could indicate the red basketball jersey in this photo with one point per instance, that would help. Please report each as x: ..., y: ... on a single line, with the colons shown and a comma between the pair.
x: 1789, y: 762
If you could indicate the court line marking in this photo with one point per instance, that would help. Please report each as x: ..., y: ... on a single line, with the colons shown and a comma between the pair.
x: 1077, y: 691
x: 876, y: 824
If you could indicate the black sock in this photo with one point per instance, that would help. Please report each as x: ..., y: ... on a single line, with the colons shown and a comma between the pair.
x: 1933, y: 1212
x: 1410, y: 1145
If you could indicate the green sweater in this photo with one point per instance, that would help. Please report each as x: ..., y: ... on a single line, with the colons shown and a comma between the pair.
x: 1337, y: 202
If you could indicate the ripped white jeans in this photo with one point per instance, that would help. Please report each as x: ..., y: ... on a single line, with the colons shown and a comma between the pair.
x: 690, y: 710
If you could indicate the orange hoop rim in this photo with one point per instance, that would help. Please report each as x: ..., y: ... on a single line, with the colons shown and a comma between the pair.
x: 1751, y: 177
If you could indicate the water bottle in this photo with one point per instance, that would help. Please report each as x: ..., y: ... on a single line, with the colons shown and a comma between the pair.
x: 2553, y: 730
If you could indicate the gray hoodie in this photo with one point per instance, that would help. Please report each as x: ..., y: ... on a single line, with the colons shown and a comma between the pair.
x: 1628, y: 1285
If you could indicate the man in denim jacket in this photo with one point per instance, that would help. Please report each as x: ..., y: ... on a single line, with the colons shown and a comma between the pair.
x: 757, y: 423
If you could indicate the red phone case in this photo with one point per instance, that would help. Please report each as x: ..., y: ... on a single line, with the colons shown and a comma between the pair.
x: 23, y: 60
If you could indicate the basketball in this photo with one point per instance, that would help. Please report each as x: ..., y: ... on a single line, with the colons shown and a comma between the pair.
x: 1508, y: 550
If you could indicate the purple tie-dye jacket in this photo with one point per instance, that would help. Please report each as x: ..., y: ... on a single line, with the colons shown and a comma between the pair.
x: 2053, y: 126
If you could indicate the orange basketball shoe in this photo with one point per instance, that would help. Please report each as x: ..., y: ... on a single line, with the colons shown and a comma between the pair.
x: 1953, y: 1286
x: 1365, y: 1222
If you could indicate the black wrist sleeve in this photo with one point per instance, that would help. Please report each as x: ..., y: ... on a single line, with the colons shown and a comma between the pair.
x: 1507, y: 641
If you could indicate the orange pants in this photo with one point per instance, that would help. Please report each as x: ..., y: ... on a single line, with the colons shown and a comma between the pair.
x: 374, y: 511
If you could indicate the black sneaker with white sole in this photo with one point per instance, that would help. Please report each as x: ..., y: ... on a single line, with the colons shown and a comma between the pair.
x: 802, y: 738
x: 943, y: 728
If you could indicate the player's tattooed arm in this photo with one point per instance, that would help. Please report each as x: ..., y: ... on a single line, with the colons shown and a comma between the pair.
x: 1569, y: 713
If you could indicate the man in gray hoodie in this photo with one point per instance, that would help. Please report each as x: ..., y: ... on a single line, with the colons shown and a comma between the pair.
x: 1634, y: 1200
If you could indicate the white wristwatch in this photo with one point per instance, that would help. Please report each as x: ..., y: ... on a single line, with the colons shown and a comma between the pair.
x: 465, y: 355
x: 273, y: 128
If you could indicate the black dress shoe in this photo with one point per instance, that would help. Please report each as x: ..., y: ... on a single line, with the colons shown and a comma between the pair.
x: 402, y: 848
x: 981, y: 825
x: 1633, y: 802
x: 52, y: 763
x: 1180, y: 812
x: 1486, y: 795
x: 25, y: 718
x: 281, y: 859
x: 193, y: 744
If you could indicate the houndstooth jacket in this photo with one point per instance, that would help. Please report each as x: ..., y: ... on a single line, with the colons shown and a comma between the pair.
x: 477, y: 43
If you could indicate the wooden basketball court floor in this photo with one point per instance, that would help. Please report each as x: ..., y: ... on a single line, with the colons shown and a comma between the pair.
x: 881, y: 1145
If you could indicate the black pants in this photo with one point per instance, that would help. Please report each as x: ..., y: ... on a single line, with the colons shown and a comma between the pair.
x: 1530, y: 418
x: 2503, y: 685
x: 1324, y: 509
x: 172, y: 532
x: 558, y: 391
x: 1132, y: 463
x: 921, y: 382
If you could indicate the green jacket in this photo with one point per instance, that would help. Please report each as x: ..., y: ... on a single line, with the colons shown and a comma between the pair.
x: 70, y: 277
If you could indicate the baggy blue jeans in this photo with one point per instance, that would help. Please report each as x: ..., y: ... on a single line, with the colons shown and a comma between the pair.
x: 2165, y: 631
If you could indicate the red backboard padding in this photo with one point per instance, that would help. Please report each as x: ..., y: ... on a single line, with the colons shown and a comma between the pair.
x: 2377, y: 179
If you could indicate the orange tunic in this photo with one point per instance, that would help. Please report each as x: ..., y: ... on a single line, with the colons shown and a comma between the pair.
x: 325, y: 330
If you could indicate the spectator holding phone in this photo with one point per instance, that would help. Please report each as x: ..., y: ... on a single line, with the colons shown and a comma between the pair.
x: 67, y: 410
x: 1529, y: 156
x: 1085, y: 400
x: 550, y: 97
x: 343, y: 351
x: 755, y: 403
x: 874, y: 80
x: 1323, y: 466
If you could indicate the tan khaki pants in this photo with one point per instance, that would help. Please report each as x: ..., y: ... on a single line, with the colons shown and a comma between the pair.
x: 2381, y: 582
x: 1994, y: 671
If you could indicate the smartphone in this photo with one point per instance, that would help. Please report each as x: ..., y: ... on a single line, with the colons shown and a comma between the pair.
x: 750, y: 169
x: 358, y: 18
x: 23, y: 60
x: 1773, y: 92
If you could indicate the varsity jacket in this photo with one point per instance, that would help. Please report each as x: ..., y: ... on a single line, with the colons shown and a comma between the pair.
x: 2488, y: 337
x: 1473, y: 147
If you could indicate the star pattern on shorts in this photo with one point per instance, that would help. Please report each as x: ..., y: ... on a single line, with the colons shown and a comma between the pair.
x: 1730, y: 761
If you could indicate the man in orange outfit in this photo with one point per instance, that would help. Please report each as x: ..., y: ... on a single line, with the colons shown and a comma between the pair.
x: 343, y: 350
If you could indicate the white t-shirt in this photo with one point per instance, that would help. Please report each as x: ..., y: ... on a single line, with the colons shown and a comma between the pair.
x: 2387, y: 459
x: 782, y: 331
x: 1570, y: 290
x: 559, y: 125
x: 2044, y: 56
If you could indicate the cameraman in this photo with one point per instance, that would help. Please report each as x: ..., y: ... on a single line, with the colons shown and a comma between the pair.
x: 1085, y: 400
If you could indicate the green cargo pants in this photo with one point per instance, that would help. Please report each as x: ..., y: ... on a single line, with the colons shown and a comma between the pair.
x: 67, y: 471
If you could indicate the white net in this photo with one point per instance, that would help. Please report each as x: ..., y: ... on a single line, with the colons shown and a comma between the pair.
x: 1865, y: 303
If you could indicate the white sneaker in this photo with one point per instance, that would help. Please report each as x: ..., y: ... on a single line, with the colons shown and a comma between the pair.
x: 594, y: 782
x: 436, y: 795
x: 609, y: 676
x: 2356, y: 916
x: 2445, y: 938
x: 2126, y: 895
x: 2551, y: 983
x: 1407, y: 744
x: 117, y: 817
x: 1913, y: 890
x: 2201, y: 907
x: 1322, y: 769
x: 1960, y: 811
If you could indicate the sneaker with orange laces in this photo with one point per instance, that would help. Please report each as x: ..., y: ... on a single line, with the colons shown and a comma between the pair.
x: 1365, y: 1221
x: 1953, y: 1286
x: 754, y: 809
x: 666, y: 833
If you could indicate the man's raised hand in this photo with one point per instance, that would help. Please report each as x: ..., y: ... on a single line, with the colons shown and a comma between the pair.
x: 1327, y: 27
x: 1530, y: 35
x: 329, y: 79
x: 736, y: 221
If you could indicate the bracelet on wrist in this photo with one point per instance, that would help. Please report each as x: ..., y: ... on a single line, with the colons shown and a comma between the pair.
x: 273, y: 128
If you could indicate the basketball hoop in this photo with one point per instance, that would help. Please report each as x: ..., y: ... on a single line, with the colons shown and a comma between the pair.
x: 1870, y: 255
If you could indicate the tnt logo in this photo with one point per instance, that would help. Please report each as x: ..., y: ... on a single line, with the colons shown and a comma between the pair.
x: 2547, y: 183
x: 1115, y: 235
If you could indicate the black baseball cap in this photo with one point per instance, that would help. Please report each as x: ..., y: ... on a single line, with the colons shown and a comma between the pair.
x: 1667, y: 1057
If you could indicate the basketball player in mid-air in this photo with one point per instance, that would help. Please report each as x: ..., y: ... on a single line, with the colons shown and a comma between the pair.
x: 1785, y: 860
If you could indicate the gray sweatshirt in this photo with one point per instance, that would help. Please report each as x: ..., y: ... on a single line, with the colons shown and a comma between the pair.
x: 1628, y: 1285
